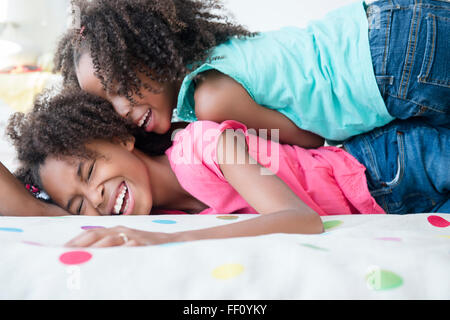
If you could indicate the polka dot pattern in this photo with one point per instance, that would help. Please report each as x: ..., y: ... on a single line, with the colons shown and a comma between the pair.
x: 228, y: 271
x: 227, y: 217
x: 387, y: 278
x: 378, y: 279
x: 75, y: 257
x: 327, y: 225
x: 91, y: 227
x: 11, y: 229
x: 438, y: 221
x: 389, y: 239
x: 311, y: 246
x: 161, y: 221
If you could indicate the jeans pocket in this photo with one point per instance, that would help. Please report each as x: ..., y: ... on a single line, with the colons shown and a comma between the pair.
x: 395, y: 175
x: 436, y: 63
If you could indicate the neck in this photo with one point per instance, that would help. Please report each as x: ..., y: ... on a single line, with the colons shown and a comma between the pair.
x: 167, y: 192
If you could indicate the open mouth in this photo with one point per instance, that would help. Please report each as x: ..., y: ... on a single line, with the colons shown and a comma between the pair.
x: 123, y: 201
x: 145, y: 120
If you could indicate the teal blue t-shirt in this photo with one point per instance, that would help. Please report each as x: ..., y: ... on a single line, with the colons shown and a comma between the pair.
x: 321, y: 77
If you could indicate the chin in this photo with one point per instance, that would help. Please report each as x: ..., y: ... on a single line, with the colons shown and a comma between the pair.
x: 163, y: 128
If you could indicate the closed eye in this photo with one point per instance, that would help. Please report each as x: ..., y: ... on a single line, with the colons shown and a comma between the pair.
x: 91, y: 168
x: 80, y: 207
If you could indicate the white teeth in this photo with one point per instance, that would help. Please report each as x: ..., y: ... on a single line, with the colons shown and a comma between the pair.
x: 119, y: 200
x: 142, y: 121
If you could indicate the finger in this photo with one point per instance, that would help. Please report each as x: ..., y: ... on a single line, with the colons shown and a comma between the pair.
x: 108, y: 241
x: 132, y: 243
x: 85, y: 239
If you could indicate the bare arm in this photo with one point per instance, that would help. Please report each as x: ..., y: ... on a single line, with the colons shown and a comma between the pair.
x: 15, y: 200
x: 219, y: 98
x: 281, y: 211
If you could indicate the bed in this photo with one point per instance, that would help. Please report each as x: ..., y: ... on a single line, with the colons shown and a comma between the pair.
x: 358, y: 257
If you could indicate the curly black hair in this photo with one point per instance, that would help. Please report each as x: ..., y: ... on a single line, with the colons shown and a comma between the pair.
x: 158, y: 38
x: 62, y: 124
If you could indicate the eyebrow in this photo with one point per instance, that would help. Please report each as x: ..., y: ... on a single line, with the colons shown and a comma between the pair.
x: 79, y: 174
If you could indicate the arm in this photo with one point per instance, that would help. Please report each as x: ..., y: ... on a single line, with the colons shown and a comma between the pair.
x: 281, y: 211
x: 219, y: 98
x: 15, y: 200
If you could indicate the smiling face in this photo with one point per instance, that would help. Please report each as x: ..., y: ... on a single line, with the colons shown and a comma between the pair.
x: 114, y: 183
x: 152, y: 112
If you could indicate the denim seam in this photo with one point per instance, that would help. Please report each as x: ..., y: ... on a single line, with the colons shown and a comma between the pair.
x: 386, y: 42
x: 425, y: 78
x: 431, y: 60
x: 400, y: 89
x: 416, y: 25
x: 417, y: 103
x: 373, y: 165
x: 436, y: 82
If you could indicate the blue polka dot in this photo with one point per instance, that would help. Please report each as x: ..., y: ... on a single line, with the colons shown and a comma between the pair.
x: 165, y: 221
x: 170, y: 244
x: 11, y: 229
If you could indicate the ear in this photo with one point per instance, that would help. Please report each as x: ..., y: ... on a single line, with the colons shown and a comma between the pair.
x: 129, y: 143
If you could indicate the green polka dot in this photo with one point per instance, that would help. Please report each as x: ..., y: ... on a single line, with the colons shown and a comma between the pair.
x: 378, y: 279
x: 311, y: 246
x: 327, y: 225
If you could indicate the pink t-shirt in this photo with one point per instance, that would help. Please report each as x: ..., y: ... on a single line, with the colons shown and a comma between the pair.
x: 328, y: 179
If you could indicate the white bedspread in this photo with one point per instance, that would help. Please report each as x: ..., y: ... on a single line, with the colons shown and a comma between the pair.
x: 358, y: 257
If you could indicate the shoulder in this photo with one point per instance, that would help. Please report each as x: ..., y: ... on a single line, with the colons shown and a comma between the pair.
x: 216, y: 94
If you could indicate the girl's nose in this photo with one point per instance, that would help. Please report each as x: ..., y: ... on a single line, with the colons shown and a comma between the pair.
x: 96, y: 197
x: 121, y: 106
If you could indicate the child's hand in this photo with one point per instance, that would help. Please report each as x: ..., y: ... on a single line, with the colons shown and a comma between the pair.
x: 118, y: 236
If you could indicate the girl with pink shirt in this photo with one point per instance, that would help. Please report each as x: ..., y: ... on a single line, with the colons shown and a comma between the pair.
x: 90, y: 162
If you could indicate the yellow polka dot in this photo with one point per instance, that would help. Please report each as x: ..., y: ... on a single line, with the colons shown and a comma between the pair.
x: 228, y: 271
x: 227, y: 217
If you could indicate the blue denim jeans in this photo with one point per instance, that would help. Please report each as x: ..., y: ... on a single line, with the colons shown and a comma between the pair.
x: 410, y: 47
x: 408, y: 166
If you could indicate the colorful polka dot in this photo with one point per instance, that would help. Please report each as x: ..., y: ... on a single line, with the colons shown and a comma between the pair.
x: 75, y: 257
x: 11, y: 229
x: 227, y: 217
x: 389, y: 239
x: 311, y: 246
x: 438, y: 221
x: 327, y: 225
x: 32, y: 243
x: 228, y: 271
x: 378, y: 279
x: 170, y: 244
x: 165, y: 221
x: 91, y: 227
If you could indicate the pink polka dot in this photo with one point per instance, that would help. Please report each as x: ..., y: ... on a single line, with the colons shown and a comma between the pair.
x: 438, y: 221
x: 32, y: 243
x: 75, y: 257
x: 91, y: 227
x: 389, y: 239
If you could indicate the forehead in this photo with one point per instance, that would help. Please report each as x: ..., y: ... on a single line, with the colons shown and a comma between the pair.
x: 58, y: 176
x: 85, y: 72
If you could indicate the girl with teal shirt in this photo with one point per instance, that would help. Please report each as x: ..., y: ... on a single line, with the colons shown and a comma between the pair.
x: 346, y: 74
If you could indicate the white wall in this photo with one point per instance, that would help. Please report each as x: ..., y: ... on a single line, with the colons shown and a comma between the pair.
x: 263, y: 15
